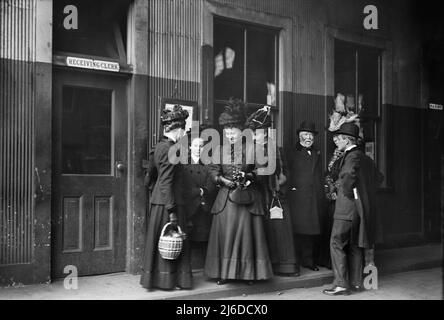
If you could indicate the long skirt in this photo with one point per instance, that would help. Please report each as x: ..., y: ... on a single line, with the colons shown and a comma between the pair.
x: 280, y: 243
x: 156, y: 271
x: 237, y: 247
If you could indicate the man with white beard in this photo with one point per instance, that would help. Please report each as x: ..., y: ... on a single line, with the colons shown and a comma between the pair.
x: 306, y: 195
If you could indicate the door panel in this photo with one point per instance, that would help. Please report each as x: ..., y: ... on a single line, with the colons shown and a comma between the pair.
x: 90, y: 139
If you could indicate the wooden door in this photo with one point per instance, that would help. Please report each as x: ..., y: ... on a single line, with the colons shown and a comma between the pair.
x: 89, y: 176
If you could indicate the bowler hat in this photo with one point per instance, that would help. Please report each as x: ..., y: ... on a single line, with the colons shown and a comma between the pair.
x: 348, y: 129
x: 307, y: 126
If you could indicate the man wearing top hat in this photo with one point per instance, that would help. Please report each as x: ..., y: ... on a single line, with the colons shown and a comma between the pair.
x: 351, y: 216
x: 305, y: 195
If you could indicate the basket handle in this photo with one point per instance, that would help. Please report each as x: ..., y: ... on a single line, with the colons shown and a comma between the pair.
x: 167, y: 225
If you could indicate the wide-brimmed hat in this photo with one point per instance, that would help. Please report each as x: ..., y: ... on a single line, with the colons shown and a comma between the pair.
x: 348, y: 129
x: 307, y: 126
x: 175, y: 118
x: 261, y: 119
x: 234, y: 114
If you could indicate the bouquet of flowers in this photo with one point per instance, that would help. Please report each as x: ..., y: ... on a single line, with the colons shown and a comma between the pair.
x: 240, y: 178
x: 241, y: 193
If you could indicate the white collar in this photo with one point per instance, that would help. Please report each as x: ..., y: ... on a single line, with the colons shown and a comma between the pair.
x: 350, y: 147
x: 170, y: 136
x: 195, y: 159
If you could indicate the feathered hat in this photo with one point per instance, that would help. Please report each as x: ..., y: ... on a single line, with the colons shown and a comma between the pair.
x: 260, y: 119
x: 234, y: 114
x: 175, y: 118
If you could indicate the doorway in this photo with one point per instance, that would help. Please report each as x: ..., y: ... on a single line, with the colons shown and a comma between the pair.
x: 89, y: 172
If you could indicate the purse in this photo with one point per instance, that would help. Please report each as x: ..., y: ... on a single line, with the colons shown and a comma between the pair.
x: 276, y: 212
x: 241, y: 196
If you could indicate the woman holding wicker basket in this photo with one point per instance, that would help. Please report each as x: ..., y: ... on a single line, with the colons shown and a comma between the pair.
x: 166, y: 262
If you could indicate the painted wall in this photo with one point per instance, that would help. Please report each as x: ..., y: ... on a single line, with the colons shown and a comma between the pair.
x: 25, y: 158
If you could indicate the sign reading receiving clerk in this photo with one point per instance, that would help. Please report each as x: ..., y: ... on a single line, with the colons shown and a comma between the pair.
x: 92, y: 64
x: 435, y: 106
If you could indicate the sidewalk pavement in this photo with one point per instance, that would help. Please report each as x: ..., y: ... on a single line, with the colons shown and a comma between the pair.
x: 123, y: 286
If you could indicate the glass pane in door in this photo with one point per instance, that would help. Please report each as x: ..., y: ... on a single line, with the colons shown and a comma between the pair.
x: 86, y: 130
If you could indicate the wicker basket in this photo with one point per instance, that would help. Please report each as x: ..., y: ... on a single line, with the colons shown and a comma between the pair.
x: 170, y: 246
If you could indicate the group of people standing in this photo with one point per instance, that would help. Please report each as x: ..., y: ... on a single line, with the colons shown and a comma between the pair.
x: 258, y: 224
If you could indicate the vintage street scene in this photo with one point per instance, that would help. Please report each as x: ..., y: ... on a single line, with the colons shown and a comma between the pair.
x: 230, y: 150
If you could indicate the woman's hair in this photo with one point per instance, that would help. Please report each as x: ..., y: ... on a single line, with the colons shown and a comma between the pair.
x: 351, y: 139
x: 174, y: 124
x: 234, y: 125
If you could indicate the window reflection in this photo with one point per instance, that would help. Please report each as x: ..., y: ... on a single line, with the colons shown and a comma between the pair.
x: 244, y: 63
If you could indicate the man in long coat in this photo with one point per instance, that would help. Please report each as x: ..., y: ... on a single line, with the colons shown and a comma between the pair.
x: 353, y: 217
x: 305, y: 195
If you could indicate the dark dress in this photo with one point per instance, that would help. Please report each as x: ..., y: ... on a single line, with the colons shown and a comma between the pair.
x: 167, y: 196
x: 237, y: 247
x: 279, y: 231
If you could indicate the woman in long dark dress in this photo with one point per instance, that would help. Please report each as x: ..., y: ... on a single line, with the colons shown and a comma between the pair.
x: 167, y: 205
x: 271, y: 186
x: 237, y: 247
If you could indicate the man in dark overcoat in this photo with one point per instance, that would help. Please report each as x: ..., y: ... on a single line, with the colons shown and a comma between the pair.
x: 305, y: 195
x: 352, y: 225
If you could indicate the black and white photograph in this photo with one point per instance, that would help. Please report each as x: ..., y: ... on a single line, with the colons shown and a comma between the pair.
x: 239, y: 151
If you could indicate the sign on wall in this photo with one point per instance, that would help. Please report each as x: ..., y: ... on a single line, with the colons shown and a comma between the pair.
x: 92, y: 64
x: 435, y: 106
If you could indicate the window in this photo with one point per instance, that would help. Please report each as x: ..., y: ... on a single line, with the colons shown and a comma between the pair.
x: 101, y: 32
x: 86, y: 130
x: 358, y: 78
x: 245, y: 64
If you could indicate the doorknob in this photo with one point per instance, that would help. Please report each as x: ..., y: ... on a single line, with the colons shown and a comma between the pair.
x: 120, y: 166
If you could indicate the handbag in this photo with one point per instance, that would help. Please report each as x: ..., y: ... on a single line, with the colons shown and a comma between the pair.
x: 276, y: 212
x: 241, y: 195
